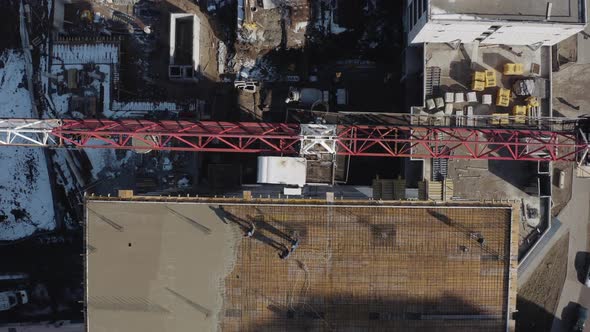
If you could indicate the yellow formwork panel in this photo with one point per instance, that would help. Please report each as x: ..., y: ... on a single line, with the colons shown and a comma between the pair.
x: 499, y: 119
x: 519, y: 110
x: 490, y: 78
x: 513, y: 69
x: 479, y: 76
x: 503, y: 98
x: 478, y: 83
x: 477, y: 86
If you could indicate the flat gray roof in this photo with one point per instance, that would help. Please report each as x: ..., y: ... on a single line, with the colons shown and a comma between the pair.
x: 155, y: 266
x: 567, y: 11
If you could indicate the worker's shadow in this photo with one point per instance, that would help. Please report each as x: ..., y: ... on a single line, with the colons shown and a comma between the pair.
x: 581, y: 263
x: 256, y: 227
x: 262, y: 225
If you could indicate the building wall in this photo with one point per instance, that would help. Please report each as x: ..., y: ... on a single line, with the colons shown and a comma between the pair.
x: 433, y: 32
x: 196, y: 38
x: 422, y: 27
x: 58, y: 14
x: 508, y: 33
x: 415, y: 17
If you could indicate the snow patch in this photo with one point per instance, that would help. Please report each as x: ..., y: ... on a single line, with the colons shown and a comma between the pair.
x: 183, y: 183
x: 167, y: 164
x: 443, y: 14
x: 301, y: 26
x: 221, y: 57
x: 105, y: 159
x: 326, y: 23
x: 26, y: 202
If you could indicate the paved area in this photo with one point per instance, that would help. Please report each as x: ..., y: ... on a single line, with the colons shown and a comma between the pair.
x: 575, y: 217
x: 584, y: 45
x: 570, y: 96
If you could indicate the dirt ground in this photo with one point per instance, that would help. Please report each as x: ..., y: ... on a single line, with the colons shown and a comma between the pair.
x: 538, y: 298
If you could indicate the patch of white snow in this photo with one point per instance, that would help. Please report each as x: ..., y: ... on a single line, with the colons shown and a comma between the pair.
x: 26, y: 202
x: 105, y: 159
x: 167, y: 164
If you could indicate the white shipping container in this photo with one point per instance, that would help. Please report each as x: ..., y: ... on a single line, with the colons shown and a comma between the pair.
x: 282, y: 170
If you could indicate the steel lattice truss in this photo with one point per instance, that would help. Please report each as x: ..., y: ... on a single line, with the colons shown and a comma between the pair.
x: 28, y: 132
x: 179, y: 135
x: 459, y: 143
x: 293, y: 139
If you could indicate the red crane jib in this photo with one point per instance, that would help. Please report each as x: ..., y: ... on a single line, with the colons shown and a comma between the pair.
x: 351, y: 140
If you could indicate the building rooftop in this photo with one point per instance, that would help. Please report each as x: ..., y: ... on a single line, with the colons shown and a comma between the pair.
x: 151, y: 268
x: 457, y: 66
x: 566, y: 11
x: 414, y: 267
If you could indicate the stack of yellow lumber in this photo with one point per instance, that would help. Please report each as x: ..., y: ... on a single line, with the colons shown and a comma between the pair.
x: 499, y: 119
x: 503, y: 98
x: 519, y: 112
x: 513, y: 69
x: 479, y: 79
x: 490, y: 78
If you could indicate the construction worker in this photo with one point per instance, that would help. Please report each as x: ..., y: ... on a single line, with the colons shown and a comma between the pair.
x: 251, y: 230
x: 481, y: 240
x: 294, y: 244
x: 285, y: 253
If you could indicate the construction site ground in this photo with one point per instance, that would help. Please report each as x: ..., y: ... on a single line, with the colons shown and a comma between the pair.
x: 154, y: 63
x: 144, y: 71
x: 539, y: 296
x: 360, y: 57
